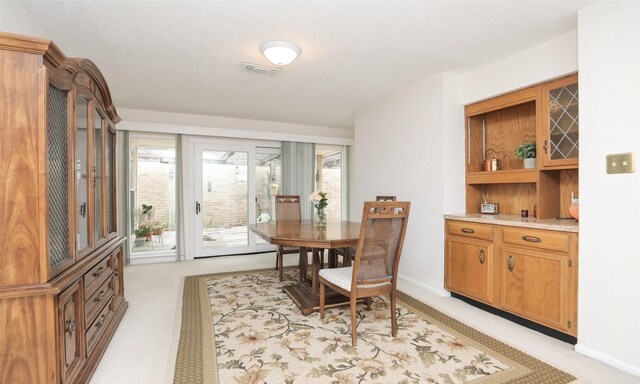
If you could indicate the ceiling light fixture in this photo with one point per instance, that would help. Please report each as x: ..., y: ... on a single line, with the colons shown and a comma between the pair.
x: 280, y: 52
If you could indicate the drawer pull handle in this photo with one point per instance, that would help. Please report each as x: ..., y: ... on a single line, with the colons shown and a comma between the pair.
x: 70, y: 327
x: 482, y: 256
x: 100, y: 323
x: 532, y: 239
x: 98, y: 272
x: 99, y: 297
x: 467, y: 230
x: 511, y: 263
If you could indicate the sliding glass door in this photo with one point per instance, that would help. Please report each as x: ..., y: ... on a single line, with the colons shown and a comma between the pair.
x: 152, y: 197
x: 222, y: 199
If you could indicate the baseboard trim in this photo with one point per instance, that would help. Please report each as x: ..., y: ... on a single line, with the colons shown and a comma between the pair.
x: 436, y: 291
x: 518, y: 320
x: 625, y: 367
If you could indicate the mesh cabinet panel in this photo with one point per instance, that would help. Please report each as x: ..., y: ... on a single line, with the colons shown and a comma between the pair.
x: 57, y: 178
x: 111, y: 187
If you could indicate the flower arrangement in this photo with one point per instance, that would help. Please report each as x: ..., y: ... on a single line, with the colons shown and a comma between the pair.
x: 320, y: 200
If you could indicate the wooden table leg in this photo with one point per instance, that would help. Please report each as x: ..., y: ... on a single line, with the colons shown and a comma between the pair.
x: 333, y: 258
x: 318, y: 256
x: 303, y: 262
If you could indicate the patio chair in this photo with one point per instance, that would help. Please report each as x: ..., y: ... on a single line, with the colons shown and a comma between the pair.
x: 375, y: 266
x: 287, y: 208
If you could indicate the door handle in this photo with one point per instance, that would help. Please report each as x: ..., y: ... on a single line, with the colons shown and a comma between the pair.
x: 197, y: 208
x: 481, y: 256
x: 511, y: 263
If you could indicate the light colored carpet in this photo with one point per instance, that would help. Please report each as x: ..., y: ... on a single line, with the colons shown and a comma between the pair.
x: 261, y: 337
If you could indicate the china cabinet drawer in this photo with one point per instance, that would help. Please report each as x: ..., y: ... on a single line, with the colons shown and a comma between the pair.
x: 96, y: 302
x: 467, y: 229
x: 97, y: 328
x: 96, y: 276
x: 553, y: 241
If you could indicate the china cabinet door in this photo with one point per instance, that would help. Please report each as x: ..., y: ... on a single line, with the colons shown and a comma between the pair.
x: 60, y: 247
x: 560, y: 123
x: 70, y: 331
x: 97, y: 183
x: 83, y: 232
x: 110, y: 180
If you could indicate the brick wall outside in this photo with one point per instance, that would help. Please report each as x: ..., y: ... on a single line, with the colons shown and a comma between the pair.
x: 225, y: 205
x: 154, y: 187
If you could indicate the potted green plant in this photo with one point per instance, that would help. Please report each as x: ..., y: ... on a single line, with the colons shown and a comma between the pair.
x: 142, y: 234
x: 145, y: 212
x: 527, y: 153
x: 158, y: 228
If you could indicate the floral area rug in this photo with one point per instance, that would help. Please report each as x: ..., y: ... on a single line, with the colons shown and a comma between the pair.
x: 242, y: 328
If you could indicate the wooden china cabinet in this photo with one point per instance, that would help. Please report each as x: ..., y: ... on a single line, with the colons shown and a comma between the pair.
x: 61, y: 280
x: 527, y: 266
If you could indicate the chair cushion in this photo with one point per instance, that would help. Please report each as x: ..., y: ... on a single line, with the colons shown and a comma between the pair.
x: 342, y: 278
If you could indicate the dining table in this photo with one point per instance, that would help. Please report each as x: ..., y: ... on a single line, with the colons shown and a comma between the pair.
x: 311, y: 234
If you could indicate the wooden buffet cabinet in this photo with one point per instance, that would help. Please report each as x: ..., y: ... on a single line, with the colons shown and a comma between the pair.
x: 527, y: 266
x: 511, y: 264
x: 61, y: 281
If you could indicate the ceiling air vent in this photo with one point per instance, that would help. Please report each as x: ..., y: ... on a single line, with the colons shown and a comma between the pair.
x: 263, y: 69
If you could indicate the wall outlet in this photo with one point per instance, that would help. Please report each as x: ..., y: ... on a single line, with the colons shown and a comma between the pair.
x: 621, y: 163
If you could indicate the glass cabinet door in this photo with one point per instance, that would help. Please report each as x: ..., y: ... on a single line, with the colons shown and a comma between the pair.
x: 81, y: 176
x: 561, y: 122
x: 97, y: 176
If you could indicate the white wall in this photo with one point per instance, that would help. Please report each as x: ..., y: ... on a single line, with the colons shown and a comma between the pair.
x: 401, y: 142
x: 548, y: 60
x: 411, y: 144
x: 14, y: 18
x: 609, y: 293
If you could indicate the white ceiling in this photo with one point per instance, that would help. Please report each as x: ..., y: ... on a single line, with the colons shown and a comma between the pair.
x: 186, y: 56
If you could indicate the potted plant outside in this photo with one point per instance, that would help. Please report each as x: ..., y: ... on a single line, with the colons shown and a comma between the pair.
x: 145, y: 212
x: 158, y: 228
x: 142, y: 234
x: 527, y: 153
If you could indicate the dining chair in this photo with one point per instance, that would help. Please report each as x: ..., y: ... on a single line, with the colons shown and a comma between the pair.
x: 348, y: 253
x: 287, y: 208
x: 375, y: 266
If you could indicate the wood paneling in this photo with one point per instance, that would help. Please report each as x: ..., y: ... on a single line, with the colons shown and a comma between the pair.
x: 24, y: 356
x: 19, y: 176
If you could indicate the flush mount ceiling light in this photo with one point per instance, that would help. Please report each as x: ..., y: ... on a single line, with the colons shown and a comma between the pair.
x: 280, y: 52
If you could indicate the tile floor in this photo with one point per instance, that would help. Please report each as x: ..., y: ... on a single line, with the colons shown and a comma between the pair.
x: 143, y: 348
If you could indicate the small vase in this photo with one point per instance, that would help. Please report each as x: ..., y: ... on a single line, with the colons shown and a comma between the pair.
x: 322, y: 216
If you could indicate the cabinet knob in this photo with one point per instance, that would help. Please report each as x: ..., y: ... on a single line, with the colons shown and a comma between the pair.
x: 98, y: 272
x: 532, y: 239
x: 100, y: 296
x: 511, y: 263
x: 481, y: 256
